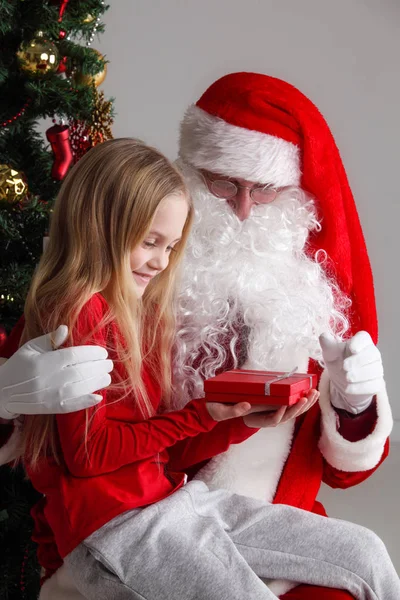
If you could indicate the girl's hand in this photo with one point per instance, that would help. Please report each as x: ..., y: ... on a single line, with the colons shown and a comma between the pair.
x: 257, y: 419
x: 260, y: 416
x: 221, y: 412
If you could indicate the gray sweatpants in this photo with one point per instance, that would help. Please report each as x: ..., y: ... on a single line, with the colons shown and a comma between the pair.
x: 203, y: 545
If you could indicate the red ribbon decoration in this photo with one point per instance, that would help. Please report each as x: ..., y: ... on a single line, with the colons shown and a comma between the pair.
x: 63, y: 6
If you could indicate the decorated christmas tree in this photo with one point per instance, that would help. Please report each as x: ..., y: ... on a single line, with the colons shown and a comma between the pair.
x: 48, y: 69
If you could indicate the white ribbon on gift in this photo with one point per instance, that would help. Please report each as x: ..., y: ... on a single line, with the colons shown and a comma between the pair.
x: 267, y: 386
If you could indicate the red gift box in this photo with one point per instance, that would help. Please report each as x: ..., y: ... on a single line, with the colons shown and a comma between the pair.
x: 259, y: 387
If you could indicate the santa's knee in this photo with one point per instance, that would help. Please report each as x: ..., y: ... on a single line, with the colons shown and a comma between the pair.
x: 368, y: 552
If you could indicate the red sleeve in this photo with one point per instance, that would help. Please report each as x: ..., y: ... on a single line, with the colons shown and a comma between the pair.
x: 11, y: 344
x: 110, y: 443
x: 8, y: 348
x: 192, y: 451
x: 47, y: 551
x: 357, y: 427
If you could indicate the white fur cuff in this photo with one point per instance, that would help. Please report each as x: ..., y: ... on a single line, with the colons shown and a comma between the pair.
x: 352, y: 456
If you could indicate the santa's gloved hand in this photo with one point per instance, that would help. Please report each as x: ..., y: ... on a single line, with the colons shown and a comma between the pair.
x: 40, y: 380
x: 355, y: 370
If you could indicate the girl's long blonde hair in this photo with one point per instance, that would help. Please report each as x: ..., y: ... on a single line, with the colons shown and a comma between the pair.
x: 104, y: 209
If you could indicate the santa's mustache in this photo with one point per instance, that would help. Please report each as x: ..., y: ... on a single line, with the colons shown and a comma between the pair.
x: 283, y: 225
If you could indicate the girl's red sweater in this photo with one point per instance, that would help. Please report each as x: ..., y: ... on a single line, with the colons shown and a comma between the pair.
x: 126, y: 461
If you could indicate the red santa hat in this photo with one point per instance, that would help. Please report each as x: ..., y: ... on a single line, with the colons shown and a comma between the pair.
x: 264, y: 130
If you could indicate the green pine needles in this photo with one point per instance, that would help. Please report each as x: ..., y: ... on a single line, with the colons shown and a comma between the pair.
x: 26, y: 98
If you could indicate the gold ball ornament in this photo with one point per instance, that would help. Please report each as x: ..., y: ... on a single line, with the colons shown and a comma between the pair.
x: 39, y: 56
x: 13, y: 187
x: 79, y: 78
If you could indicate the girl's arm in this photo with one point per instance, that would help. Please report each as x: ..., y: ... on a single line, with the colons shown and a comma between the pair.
x: 96, y: 440
x: 112, y: 444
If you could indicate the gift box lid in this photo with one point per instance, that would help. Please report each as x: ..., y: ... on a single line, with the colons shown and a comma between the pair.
x: 263, y: 383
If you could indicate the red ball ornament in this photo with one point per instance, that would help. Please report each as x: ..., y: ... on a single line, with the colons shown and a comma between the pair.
x: 63, y: 6
x: 62, y: 67
x: 62, y: 34
x: 3, y: 335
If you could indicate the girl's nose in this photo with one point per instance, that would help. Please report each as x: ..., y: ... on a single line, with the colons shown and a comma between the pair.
x: 159, y: 261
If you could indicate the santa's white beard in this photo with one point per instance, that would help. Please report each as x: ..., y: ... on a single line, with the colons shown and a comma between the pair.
x: 256, y: 272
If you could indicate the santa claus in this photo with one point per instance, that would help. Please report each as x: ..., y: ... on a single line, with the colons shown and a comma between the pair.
x: 277, y: 276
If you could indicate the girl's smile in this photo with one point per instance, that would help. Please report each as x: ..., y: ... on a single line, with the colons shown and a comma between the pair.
x: 142, y: 278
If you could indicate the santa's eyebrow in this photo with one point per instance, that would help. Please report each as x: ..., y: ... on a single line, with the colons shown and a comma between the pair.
x: 232, y: 179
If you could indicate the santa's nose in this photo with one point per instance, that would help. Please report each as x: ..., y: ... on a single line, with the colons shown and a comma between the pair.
x: 241, y: 204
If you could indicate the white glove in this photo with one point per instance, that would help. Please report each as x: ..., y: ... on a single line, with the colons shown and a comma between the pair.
x: 355, y: 370
x: 40, y: 380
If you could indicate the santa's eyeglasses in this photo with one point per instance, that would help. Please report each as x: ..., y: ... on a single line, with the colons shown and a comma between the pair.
x: 226, y: 190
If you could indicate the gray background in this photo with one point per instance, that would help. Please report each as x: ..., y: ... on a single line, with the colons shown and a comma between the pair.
x: 344, y: 55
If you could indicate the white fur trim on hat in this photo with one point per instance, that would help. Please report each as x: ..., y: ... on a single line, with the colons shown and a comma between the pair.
x: 352, y: 456
x: 208, y: 142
